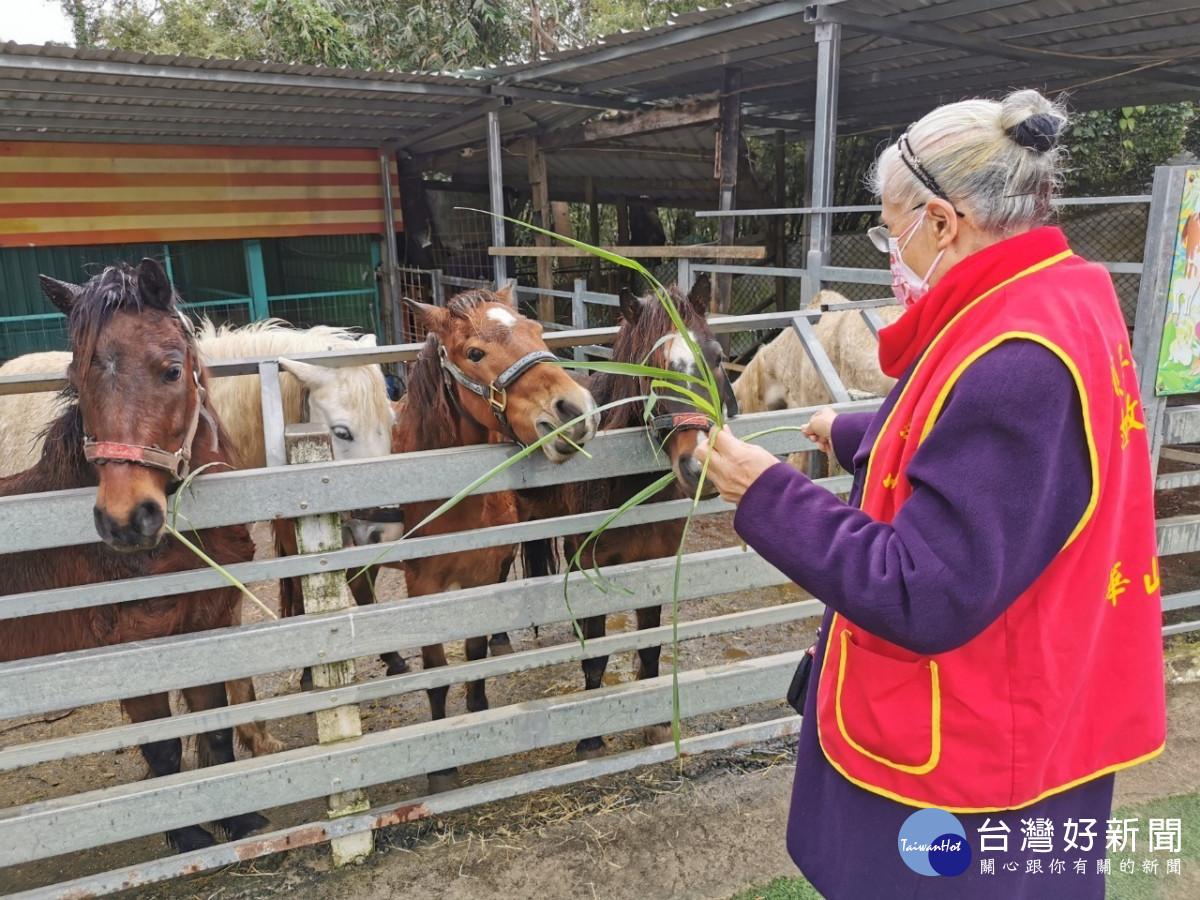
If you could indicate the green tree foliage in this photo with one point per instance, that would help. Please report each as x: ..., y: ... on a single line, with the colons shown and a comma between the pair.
x: 1115, y: 151
x: 411, y: 35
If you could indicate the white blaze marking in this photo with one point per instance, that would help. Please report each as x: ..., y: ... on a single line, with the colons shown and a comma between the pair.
x: 503, y: 316
x: 679, y: 354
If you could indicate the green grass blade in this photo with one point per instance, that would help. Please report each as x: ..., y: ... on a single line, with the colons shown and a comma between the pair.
x: 212, y: 563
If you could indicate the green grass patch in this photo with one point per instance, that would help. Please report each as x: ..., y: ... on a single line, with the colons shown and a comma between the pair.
x: 1158, y: 885
x: 781, y: 889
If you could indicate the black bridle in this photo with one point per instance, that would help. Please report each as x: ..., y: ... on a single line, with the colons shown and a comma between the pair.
x: 494, y: 393
x: 664, y: 425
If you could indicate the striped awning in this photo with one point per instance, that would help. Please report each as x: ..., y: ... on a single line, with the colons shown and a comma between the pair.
x: 55, y: 194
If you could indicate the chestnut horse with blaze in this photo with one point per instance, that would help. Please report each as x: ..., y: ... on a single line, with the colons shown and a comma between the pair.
x: 136, y: 386
x: 484, y: 375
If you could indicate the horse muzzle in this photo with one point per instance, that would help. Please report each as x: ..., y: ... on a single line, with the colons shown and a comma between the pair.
x: 141, y: 530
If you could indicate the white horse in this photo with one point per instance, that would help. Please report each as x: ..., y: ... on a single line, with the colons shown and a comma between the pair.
x: 781, y: 376
x: 351, y: 401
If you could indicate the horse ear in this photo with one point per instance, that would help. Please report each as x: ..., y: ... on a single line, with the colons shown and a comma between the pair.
x: 700, y: 295
x: 61, y: 293
x: 505, y: 295
x: 631, y: 306
x: 307, y: 373
x: 368, y: 340
x: 429, y: 317
x: 153, y: 283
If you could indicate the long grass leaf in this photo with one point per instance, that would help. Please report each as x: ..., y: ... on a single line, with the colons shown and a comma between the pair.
x: 170, y: 529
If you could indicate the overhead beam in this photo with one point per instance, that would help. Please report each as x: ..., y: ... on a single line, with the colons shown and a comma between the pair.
x: 683, y: 251
x: 933, y: 35
x: 243, y: 96
x: 565, y: 97
x: 646, y: 122
x: 99, y: 110
x: 671, y: 38
x: 102, y: 129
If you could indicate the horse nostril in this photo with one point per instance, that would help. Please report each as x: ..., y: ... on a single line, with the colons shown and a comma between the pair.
x: 567, y: 410
x: 148, y: 518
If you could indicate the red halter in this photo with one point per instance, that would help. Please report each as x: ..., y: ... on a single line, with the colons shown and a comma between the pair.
x: 177, y: 463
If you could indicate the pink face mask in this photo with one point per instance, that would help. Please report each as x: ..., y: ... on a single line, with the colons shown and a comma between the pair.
x: 907, y: 285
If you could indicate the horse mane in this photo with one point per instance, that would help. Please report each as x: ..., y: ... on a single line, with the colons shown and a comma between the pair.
x: 427, y: 422
x: 361, y: 386
x: 635, y: 343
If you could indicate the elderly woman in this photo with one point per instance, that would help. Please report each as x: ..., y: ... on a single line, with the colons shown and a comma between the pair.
x: 992, y: 642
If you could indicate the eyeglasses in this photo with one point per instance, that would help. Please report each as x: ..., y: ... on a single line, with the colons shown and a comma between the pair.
x: 879, y: 234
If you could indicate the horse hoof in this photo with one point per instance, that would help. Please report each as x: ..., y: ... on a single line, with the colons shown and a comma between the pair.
x: 397, y: 666
x: 658, y: 734
x: 189, y: 839
x: 238, y: 827
x: 255, y: 738
x: 589, y: 748
x: 445, y: 780
x: 500, y: 647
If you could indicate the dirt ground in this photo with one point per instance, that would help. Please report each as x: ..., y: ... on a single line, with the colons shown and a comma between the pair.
x: 713, y: 829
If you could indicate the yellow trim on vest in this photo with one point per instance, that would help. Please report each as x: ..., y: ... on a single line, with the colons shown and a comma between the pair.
x: 923, y: 804
x: 935, y: 750
x: 1036, y: 267
x: 1093, y: 457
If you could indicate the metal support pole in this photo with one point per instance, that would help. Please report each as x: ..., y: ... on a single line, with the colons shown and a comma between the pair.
x: 728, y: 145
x: 1153, y: 298
x: 389, y: 321
x: 496, y: 195
x: 328, y: 592
x: 829, y: 51
x: 579, y: 316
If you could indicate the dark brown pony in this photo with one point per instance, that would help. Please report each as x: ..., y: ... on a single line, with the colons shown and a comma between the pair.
x: 647, y: 334
x: 483, y: 376
x: 138, y: 391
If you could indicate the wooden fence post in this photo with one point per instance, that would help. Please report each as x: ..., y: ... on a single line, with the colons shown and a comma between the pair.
x: 328, y: 592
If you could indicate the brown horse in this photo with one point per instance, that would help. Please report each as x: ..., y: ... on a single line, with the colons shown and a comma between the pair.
x: 482, y: 376
x: 136, y: 385
x: 647, y: 334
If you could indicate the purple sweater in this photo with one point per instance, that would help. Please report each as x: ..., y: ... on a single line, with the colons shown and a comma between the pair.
x: 998, y: 486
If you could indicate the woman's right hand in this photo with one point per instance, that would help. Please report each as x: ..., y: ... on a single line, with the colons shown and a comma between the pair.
x: 818, y: 428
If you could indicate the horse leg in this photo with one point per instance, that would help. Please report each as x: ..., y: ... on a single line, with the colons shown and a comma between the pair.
x: 432, y: 657
x: 477, y: 648
x: 593, y: 677
x: 651, y: 617
x: 164, y: 758
x: 499, y: 644
x: 254, y: 736
x: 215, y: 748
x: 362, y: 589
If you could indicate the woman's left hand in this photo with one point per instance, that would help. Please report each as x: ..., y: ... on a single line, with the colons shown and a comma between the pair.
x: 733, y: 465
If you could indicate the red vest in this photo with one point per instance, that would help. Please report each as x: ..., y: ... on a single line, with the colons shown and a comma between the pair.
x: 1067, y: 684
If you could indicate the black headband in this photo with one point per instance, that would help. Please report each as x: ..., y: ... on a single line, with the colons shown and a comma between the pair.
x: 919, y: 171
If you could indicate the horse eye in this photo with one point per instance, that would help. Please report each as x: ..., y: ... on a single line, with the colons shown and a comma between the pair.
x: 174, y: 373
x: 342, y: 433
x: 475, y: 354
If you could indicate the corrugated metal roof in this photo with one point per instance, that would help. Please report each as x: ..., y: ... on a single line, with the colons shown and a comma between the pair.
x: 61, y: 93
